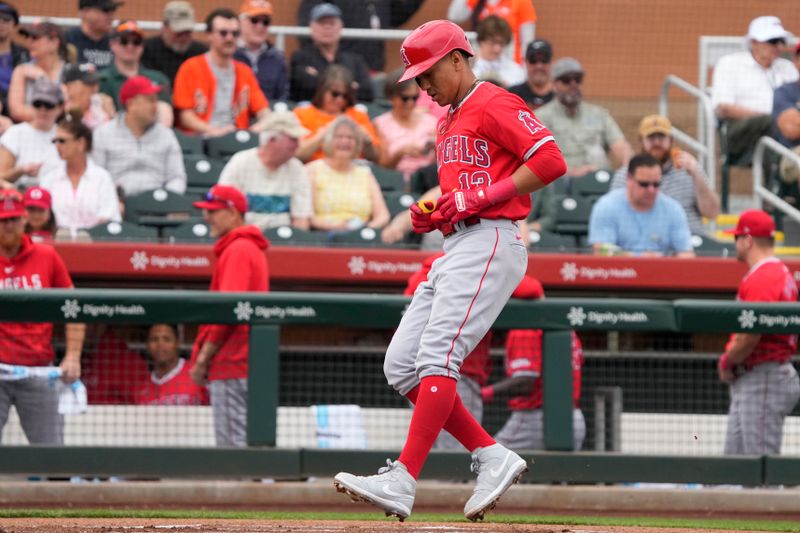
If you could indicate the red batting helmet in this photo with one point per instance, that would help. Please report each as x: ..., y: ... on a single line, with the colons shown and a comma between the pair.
x: 429, y: 43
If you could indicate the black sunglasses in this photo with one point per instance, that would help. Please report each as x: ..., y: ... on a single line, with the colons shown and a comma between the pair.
x: 225, y: 33
x: 38, y: 104
x: 5, y: 17
x: 406, y: 98
x: 538, y: 59
x: 61, y: 140
x: 135, y: 41
x: 776, y: 41
x: 646, y: 184
x: 108, y: 9
x: 266, y: 21
x: 337, y: 94
x: 566, y: 80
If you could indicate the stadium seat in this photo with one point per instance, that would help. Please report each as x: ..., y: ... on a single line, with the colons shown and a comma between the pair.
x: 201, y: 170
x: 545, y: 241
x: 705, y: 246
x: 388, y: 179
x: 123, y: 231
x: 593, y: 184
x: 225, y: 146
x: 398, y: 201
x: 289, y: 236
x: 190, y: 144
x: 359, y: 237
x: 158, y: 208
x: 192, y: 231
x: 572, y: 215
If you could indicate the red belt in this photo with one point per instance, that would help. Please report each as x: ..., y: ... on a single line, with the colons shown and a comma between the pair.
x: 449, y: 229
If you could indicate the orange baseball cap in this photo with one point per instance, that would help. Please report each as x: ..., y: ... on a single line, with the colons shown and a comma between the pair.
x: 254, y: 8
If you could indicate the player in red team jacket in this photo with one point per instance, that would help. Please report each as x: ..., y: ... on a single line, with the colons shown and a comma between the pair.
x: 764, y: 385
x: 219, y: 355
x: 25, y: 265
x: 169, y: 383
x: 491, y: 153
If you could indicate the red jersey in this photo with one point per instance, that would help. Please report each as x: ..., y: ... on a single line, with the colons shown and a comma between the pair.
x: 35, y: 267
x: 769, y: 281
x: 477, y: 365
x: 241, y: 267
x: 486, y: 139
x: 524, y: 358
x: 175, y: 388
x: 112, y: 372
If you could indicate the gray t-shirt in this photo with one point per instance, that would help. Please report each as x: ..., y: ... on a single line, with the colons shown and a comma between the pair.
x: 222, y: 113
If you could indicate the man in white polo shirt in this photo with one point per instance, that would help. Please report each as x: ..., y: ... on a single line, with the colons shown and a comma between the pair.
x: 745, y: 81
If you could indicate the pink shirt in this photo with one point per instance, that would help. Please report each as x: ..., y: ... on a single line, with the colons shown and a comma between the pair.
x: 397, y: 136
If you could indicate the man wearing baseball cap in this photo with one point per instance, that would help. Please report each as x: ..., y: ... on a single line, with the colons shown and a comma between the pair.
x: 582, y: 130
x: 681, y: 175
x: 744, y: 82
x: 267, y: 62
x: 91, y: 37
x: 219, y: 355
x: 127, y: 43
x: 538, y: 89
x: 174, y: 45
x: 764, y: 385
x: 25, y: 265
x: 139, y: 152
x: 276, y: 183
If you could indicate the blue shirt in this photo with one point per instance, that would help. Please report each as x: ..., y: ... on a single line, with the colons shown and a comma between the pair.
x: 270, y: 70
x: 663, y: 228
x: 785, y: 97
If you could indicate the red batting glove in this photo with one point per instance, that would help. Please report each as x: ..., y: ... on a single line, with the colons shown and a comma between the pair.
x: 458, y: 205
x: 420, y: 220
x: 487, y: 393
x: 441, y: 224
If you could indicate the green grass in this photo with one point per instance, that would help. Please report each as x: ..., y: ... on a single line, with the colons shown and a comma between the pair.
x: 704, y: 523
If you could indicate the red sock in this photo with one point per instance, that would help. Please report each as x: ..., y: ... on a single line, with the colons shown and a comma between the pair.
x: 461, y: 424
x: 434, y: 403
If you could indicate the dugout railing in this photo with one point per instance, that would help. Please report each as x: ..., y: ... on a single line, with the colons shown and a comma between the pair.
x: 269, y: 313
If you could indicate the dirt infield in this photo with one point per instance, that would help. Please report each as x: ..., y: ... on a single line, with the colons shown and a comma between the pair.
x: 74, y: 525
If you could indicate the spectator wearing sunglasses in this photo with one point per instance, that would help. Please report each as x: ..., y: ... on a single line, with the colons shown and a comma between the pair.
x: 537, y: 89
x: 127, y: 44
x: 637, y: 220
x: 47, y: 50
x: 494, y: 34
x: 407, y: 132
x: 334, y: 97
x: 310, y: 62
x: 11, y: 54
x: 26, y: 150
x: 83, y: 192
x: 258, y: 53
x: 744, y: 83
x: 582, y: 130
x: 91, y: 37
x: 167, y: 51
x: 82, y: 83
x: 214, y: 94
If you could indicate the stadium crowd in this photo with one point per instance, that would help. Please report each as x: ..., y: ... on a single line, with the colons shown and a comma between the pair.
x: 102, y: 114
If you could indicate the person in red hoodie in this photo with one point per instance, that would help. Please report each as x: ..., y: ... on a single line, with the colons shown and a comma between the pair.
x: 219, y: 355
x: 25, y: 265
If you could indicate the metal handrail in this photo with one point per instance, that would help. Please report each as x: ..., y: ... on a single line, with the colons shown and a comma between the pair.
x: 706, y: 150
x: 765, y: 194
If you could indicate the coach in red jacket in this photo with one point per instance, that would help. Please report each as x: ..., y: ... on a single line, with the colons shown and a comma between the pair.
x: 219, y: 356
x: 28, y: 266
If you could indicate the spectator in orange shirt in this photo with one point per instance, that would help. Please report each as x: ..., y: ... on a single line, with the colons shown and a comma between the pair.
x: 214, y: 94
x: 335, y: 96
x: 520, y: 15
x: 170, y: 382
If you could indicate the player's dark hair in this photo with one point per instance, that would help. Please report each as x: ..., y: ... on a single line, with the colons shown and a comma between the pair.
x: 50, y: 227
x: 72, y: 124
x: 642, y: 160
x: 392, y: 88
x: 173, y: 327
x: 493, y: 26
x: 222, y: 12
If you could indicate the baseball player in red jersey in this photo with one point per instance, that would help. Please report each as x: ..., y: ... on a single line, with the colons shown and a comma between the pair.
x: 169, y: 382
x: 764, y: 386
x: 491, y: 153
x: 29, y: 266
x: 524, y: 430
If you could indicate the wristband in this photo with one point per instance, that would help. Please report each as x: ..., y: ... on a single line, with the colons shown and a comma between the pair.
x: 501, y: 191
x: 487, y: 393
x: 725, y: 363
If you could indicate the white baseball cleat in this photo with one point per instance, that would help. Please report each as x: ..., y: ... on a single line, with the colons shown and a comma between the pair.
x: 497, y: 468
x: 392, y: 488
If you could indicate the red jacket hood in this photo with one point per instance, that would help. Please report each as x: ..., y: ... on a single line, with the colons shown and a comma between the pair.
x: 242, y: 232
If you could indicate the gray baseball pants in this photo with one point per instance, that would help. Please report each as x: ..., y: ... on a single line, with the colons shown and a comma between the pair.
x: 36, y: 401
x: 524, y: 430
x: 229, y: 408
